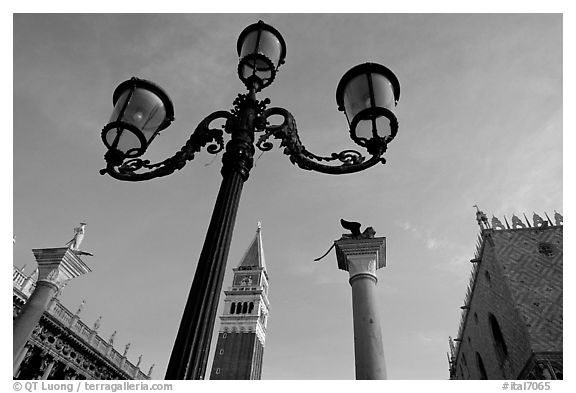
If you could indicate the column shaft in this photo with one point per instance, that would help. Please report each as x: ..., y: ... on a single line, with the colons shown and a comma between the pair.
x: 30, y: 314
x: 368, y: 346
x: 190, y: 352
x: 48, y: 369
x: 18, y: 360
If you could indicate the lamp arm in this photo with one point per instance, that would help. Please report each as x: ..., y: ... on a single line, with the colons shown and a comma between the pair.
x: 202, y: 136
x: 351, y: 160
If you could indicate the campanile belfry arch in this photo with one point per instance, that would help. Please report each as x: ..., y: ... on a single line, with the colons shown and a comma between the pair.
x: 242, y: 334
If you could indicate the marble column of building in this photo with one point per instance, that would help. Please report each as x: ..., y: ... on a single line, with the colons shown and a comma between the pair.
x: 19, y: 359
x: 361, y: 258
x: 48, y: 369
x: 56, y: 266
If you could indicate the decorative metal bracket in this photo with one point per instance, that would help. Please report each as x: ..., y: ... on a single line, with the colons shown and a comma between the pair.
x: 202, y: 136
x: 258, y: 122
x: 352, y: 161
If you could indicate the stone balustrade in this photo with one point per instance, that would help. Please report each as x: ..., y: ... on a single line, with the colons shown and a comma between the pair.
x: 25, y: 284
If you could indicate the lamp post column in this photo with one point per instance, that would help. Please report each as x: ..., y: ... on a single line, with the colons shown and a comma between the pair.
x: 361, y: 258
x: 262, y: 50
x: 55, y: 267
x: 190, y: 353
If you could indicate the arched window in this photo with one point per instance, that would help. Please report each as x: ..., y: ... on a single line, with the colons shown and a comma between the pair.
x: 232, y: 308
x: 245, y: 308
x: 499, y: 343
x: 251, y: 308
x: 557, y: 368
x: 480, y: 365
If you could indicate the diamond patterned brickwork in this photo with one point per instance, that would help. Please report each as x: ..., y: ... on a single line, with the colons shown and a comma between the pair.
x: 491, y: 296
x: 531, y: 260
x: 519, y: 282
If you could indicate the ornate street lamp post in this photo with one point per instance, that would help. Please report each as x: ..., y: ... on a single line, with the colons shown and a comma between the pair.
x: 367, y: 94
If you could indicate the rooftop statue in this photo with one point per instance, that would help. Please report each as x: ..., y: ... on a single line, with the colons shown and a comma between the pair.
x: 481, y: 218
x: 354, y: 228
x: 74, y: 243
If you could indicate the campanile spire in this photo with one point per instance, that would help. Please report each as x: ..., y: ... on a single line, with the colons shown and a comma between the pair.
x: 243, y: 322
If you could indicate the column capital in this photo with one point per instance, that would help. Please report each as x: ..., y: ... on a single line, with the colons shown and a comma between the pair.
x: 58, y: 265
x: 361, y: 256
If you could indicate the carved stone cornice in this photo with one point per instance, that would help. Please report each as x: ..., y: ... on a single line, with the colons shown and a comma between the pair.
x: 261, y: 334
x: 55, y: 331
x: 52, y: 336
x: 58, y: 265
x: 245, y: 327
x: 361, y: 257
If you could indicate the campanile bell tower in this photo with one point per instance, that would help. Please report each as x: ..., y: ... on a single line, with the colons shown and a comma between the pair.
x: 242, y: 333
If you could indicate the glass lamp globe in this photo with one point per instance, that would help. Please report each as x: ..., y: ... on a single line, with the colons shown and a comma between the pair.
x: 262, y: 50
x: 368, y: 94
x: 141, y: 110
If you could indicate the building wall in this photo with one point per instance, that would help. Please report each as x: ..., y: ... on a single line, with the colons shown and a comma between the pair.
x: 521, y: 286
x: 242, y: 332
x: 491, y: 295
x: 62, y: 346
x: 237, y: 356
x: 534, y: 276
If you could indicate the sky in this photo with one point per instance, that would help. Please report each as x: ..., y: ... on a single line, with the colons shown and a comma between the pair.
x: 481, y: 123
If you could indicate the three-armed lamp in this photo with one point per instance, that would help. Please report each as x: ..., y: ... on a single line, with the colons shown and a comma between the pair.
x: 367, y: 94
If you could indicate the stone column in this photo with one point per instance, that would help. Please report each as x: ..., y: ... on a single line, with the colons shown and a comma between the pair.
x: 55, y: 267
x: 48, y: 368
x: 361, y: 258
x: 19, y: 359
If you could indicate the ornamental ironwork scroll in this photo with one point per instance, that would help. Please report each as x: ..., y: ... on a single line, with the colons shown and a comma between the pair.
x: 346, y: 161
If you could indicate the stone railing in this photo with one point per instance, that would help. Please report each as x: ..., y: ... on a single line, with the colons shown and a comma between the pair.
x: 22, y: 282
x: 26, y: 284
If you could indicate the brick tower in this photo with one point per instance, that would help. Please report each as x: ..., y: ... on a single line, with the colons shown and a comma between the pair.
x: 511, y: 325
x: 242, y: 333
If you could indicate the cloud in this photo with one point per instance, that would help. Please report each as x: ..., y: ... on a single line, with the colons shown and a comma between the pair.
x: 431, y: 242
x: 303, y: 269
x: 458, y: 264
x: 406, y: 226
x: 452, y: 257
x: 425, y: 338
x: 530, y: 173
